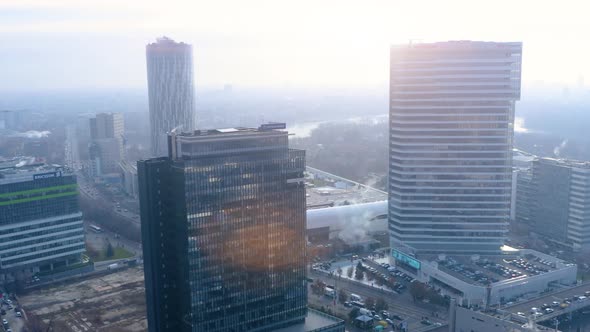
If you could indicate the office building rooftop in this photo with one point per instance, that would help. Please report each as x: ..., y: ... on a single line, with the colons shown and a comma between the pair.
x: 21, y: 169
x: 316, y: 321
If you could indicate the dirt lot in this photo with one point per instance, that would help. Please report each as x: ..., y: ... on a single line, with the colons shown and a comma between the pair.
x: 114, y: 303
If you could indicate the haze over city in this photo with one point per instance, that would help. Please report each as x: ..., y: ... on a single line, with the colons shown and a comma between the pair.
x: 273, y: 44
x: 294, y: 166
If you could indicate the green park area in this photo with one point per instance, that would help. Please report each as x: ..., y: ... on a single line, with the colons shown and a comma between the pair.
x: 109, y: 252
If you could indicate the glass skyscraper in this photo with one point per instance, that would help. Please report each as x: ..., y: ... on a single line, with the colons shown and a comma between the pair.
x: 451, y: 130
x: 171, y: 90
x: 223, y: 227
x: 41, y: 227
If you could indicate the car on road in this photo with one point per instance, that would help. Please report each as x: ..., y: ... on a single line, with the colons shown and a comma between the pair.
x: 389, y: 321
x: 18, y: 314
x: 555, y: 304
x: 548, y: 311
x: 357, y: 304
x: 347, y: 304
x: 426, y: 322
x: 521, y: 314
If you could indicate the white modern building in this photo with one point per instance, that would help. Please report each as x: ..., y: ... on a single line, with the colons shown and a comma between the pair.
x: 171, y: 91
x: 352, y: 223
x: 451, y: 131
x: 485, y: 280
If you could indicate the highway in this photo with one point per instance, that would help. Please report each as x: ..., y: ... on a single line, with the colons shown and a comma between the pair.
x: 559, y: 296
x: 88, y: 190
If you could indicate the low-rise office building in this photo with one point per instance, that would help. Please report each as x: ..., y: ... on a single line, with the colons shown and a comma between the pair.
x: 487, y: 280
x: 41, y: 227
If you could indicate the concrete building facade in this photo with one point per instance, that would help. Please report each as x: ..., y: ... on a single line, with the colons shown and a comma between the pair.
x: 107, y: 140
x: 560, y: 203
x: 129, y: 178
x: 41, y: 227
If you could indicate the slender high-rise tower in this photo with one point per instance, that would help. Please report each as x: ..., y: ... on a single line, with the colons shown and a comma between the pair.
x: 451, y: 130
x: 171, y: 90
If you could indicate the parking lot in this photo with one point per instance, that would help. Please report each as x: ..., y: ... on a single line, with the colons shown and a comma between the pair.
x: 488, y: 270
x: 12, y: 315
x: 419, y: 316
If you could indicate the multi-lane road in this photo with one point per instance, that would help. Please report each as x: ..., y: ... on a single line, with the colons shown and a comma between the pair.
x: 87, y: 189
x: 559, y: 296
x: 401, y: 305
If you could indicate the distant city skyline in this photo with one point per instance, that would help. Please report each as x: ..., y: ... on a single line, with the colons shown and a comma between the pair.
x: 67, y: 44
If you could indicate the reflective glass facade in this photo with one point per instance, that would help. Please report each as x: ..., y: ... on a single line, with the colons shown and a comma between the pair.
x: 223, y: 226
x: 451, y: 129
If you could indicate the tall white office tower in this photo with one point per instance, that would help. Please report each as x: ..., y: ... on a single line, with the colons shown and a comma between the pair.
x: 451, y: 131
x: 171, y: 91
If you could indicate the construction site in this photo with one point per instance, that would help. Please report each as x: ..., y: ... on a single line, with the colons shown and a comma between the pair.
x: 112, y: 302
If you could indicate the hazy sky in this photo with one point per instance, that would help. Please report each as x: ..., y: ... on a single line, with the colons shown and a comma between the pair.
x: 63, y: 44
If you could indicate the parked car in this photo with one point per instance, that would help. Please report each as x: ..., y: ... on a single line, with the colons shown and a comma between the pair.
x: 426, y: 322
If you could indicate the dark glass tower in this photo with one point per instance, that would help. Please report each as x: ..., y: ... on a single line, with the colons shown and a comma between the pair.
x: 223, y: 226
